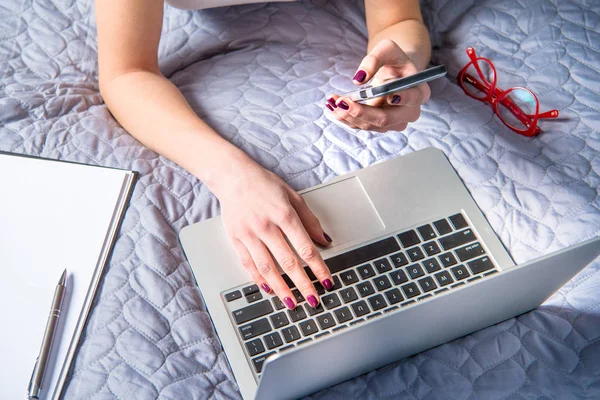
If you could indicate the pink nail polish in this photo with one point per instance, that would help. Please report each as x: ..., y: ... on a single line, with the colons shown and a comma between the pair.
x: 312, y: 300
x: 329, y: 106
x: 266, y: 288
x: 331, y: 102
x: 360, y: 76
x: 289, y: 303
x: 327, y: 237
x: 396, y: 99
x: 343, y: 105
x: 327, y: 284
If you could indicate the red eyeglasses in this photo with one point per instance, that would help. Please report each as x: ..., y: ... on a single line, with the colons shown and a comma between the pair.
x: 517, y: 107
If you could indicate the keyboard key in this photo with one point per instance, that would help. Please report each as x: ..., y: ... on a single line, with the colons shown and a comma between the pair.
x: 289, y: 347
x: 382, y: 265
x: 424, y: 297
x: 441, y: 290
x: 291, y: 283
x: 460, y: 272
x: 442, y: 226
x: 490, y: 273
x: 278, y: 304
x: 298, y: 296
x: 374, y: 315
x: 470, y: 251
x: 343, y: 314
x: 348, y: 295
x: 474, y: 278
x: 431, y: 248
x: 408, y: 303
x: 360, y: 308
x: 349, y: 277
x: 365, y: 289
x: 233, y: 295
x: 427, y: 284
x: 377, y: 302
x: 339, y: 328
x: 319, y: 288
x: 457, y: 285
x: 255, y: 347
x: 447, y: 259
x: 399, y: 259
x: 259, y: 361
x: 362, y: 255
x: 314, y: 311
x: 388, y: 310
x: 458, y: 220
x: 426, y: 232
x: 255, y: 328
x: 415, y: 271
x: 457, y: 239
x: 394, y: 296
x: 431, y: 265
x: 358, y: 321
x: 382, y: 283
x: 254, y: 311
x: 480, y: 265
x: 331, y: 301
x: 308, y: 327
x: 444, y: 278
x: 250, y: 289
x: 399, y: 277
x: 366, y: 271
x: 272, y: 340
x: 336, y: 282
x: 411, y: 290
x: 290, y: 333
x: 415, y: 254
x: 304, y: 341
x: 280, y: 319
x: 251, y: 298
x: 321, y: 335
x: 409, y: 238
x: 297, y: 314
x: 326, y: 321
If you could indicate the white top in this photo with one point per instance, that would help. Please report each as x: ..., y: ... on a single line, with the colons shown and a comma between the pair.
x: 200, y: 4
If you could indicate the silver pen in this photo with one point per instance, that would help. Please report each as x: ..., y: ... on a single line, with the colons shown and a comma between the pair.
x: 37, y: 376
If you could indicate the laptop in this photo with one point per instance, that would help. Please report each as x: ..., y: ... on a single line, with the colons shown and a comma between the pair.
x: 415, y: 264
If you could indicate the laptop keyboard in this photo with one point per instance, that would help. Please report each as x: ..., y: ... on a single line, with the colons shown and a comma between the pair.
x: 370, y: 281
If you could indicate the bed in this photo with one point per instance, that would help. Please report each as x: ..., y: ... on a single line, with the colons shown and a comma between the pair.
x: 259, y: 74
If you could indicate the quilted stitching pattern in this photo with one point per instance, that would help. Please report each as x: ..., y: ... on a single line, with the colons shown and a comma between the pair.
x: 259, y: 74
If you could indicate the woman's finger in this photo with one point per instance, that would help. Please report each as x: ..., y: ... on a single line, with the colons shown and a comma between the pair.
x: 413, y: 97
x: 386, y: 52
x: 268, y: 270
x: 291, y: 266
x: 375, y: 118
x: 248, y: 264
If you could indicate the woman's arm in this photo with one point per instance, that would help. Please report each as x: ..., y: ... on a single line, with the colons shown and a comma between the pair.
x: 402, y: 22
x: 257, y: 207
x: 399, y: 46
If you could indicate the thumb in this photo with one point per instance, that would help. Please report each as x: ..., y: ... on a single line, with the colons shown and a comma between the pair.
x: 386, y: 52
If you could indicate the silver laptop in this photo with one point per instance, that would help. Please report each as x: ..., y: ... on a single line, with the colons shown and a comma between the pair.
x: 415, y: 264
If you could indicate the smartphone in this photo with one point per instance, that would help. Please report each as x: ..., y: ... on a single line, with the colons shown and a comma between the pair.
x: 396, y: 84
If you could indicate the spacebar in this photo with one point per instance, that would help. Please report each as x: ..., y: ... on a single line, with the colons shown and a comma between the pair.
x: 362, y: 254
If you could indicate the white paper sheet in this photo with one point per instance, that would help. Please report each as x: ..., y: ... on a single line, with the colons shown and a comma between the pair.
x: 53, y: 215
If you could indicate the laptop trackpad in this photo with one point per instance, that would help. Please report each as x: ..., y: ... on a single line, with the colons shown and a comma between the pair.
x: 345, y: 211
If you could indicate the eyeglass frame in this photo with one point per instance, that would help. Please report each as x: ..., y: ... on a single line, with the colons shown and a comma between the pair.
x: 495, y: 95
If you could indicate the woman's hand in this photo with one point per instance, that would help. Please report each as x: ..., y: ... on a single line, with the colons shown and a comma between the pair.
x: 392, y: 112
x: 259, y: 211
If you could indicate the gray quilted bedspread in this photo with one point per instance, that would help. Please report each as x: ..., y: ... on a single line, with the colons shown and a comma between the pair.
x: 259, y: 74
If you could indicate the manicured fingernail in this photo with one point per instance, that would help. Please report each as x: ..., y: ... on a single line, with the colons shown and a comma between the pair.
x: 289, y: 303
x: 329, y: 106
x: 395, y: 99
x: 312, y: 300
x: 331, y: 102
x: 360, y: 76
x: 327, y: 284
x: 343, y: 105
x: 327, y: 237
x: 266, y: 288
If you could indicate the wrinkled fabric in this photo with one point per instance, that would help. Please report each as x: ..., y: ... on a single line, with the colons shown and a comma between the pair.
x: 259, y: 75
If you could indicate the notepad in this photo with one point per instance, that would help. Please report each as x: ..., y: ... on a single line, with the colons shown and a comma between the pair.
x: 53, y: 215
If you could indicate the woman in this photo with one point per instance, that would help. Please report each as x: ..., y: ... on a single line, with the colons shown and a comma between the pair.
x: 258, y: 208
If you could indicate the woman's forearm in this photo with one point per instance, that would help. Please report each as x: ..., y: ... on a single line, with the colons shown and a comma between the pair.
x: 154, y: 111
x: 411, y: 36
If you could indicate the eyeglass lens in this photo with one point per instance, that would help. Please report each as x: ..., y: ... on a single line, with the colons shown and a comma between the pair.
x: 524, y: 100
